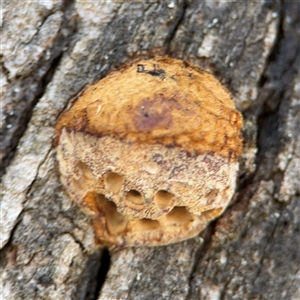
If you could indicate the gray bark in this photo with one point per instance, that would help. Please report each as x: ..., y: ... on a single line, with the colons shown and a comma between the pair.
x: 52, y: 49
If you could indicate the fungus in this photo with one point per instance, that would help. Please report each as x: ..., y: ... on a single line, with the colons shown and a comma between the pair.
x: 150, y: 152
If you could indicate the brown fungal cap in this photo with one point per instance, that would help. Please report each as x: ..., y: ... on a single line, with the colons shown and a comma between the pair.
x: 151, y: 152
x: 161, y: 101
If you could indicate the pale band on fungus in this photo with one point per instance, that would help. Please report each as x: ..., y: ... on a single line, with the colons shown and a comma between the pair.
x: 150, y: 152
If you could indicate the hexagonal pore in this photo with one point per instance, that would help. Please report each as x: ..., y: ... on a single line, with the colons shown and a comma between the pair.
x: 163, y: 199
x: 134, y: 198
x: 114, y: 181
x: 145, y: 224
x: 116, y: 222
x: 178, y: 215
x: 211, y: 214
x: 85, y: 171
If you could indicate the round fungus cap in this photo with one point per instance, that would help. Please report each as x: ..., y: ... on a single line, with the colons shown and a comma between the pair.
x: 150, y: 152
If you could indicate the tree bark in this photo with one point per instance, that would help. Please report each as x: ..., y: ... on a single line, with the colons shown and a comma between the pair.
x: 53, y: 49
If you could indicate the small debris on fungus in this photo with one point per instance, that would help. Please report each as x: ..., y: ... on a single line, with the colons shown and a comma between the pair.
x: 150, y: 152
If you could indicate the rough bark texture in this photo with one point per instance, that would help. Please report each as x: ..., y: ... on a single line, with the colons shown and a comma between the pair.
x: 52, y: 49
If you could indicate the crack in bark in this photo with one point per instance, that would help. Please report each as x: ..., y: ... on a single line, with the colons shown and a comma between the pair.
x: 42, y: 83
x: 179, y: 21
x: 225, y: 285
x: 200, y: 254
x: 5, y: 70
x: 102, y: 273
x: 36, y: 175
x: 268, y: 242
x: 27, y: 192
x: 42, y: 22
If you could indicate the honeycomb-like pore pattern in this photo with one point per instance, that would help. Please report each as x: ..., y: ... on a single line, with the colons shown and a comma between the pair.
x: 150, y: 152
x: 133, y: 204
